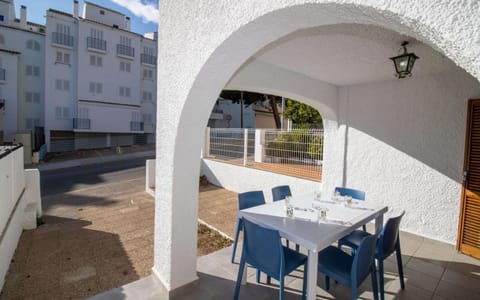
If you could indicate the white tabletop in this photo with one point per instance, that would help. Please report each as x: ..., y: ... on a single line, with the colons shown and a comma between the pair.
x: 304, y: 228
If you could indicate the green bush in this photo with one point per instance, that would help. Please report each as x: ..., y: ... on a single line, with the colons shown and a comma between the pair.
x: 290, y: 144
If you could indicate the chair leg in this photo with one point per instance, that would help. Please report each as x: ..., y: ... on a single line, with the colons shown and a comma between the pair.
x: 304, y: 287
x: 297, y: 247
x: 399, y: 263
x: 241, y: 268
x: 327, y: 283
x: 269, y: 280
x: 288, y: 244
x: 374, y: 282
x: 258, y: 276
x: 237, y: 232
x: 280, y: 291
x: 381, y: 274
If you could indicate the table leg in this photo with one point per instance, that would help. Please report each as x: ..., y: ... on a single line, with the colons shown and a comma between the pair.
x: 312, y: 275
x: 244, y: 277
x: 378, y: 223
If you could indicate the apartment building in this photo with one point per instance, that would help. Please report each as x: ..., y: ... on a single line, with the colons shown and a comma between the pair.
x: 22, y: 73
x: 80, y: 81
x: 100, y: 82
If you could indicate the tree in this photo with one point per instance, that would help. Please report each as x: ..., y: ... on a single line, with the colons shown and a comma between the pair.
x: 302, y: 114
x: 248, y: 98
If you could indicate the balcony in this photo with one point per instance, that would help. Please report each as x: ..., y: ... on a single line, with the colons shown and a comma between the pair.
x: 2, y: 75
x: 2, y: 105
x: 96, y: 45
x: 62, y: 40
x: 136, y: 126
x: 125, y: 51
x: 148, y: 59
x: 79, y: 123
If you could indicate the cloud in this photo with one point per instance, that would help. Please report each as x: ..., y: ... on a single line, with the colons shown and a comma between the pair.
x: 146, y: 10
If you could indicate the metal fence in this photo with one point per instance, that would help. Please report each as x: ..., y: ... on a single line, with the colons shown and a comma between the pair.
x: 296, y: 152
x: 232, y: 144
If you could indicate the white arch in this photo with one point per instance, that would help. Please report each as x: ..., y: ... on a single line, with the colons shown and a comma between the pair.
x: 203, y: 44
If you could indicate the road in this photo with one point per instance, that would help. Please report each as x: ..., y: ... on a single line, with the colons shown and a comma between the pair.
x: 69, y: 179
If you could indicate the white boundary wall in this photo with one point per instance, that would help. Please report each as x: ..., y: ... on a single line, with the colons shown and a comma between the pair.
x: 20, y: 205
x: 240, y: 179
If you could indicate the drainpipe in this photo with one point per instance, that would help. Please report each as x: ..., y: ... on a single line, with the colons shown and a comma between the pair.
x: 282, y: 120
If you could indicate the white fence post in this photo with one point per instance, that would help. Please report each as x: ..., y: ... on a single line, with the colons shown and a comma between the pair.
x: 259, y: 141
x: 245, y: 146
x: 206, y: 147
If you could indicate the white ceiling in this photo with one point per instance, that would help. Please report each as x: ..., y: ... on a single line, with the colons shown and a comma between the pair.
x: 349, y: 54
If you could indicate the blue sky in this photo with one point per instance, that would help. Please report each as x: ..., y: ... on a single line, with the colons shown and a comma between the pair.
x: 143, y: 13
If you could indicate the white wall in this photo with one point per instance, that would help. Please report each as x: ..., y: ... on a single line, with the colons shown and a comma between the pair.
x: 402, y: 141
x: 9, y: 93
x: 109, y: 118
x: 241, y: 179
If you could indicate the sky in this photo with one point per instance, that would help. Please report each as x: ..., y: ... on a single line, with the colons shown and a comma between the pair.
x: 143, y: 13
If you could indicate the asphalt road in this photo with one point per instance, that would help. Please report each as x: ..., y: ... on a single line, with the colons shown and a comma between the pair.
x: 69, y: 179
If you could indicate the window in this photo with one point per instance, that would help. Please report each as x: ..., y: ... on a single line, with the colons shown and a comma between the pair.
x: 96, y: 33
x: 146, y: 96
x: 2, y: 39
x: 125, y: 66
x: 62, y: 85
x: 62, y: 58
x: 126, y: 41
x: 124, y: 91
x: 32, y: 70
x: 33, y: 45
x: 32, y: 97
x: 96, y: 60
x: 102, y: 12
x: 148, y: 50
x: 148, y: 74
x: 2, y: 18
x: 62, y: 112
x: 95, y: 88
x: 62, y: 28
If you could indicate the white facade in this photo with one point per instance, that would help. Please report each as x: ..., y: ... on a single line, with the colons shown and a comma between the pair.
x: 99, y: 81
x: 22, y: 55
x: 412, y: 164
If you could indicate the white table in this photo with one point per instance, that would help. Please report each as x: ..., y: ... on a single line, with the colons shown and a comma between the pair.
x: 305, y: 230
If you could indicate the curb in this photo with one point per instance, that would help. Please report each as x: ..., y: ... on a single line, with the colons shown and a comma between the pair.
x: 89, y: 161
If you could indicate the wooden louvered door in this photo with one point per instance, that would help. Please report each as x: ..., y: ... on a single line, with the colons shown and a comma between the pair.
x: 469, y: 223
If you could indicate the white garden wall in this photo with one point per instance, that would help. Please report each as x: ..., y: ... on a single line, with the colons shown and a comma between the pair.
x: 241, y: 179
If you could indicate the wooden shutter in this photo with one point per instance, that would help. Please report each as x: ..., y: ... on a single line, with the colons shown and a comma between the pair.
x: 469, y: 223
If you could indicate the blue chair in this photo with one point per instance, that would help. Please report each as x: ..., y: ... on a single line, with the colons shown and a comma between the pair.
x: 263, y: 250
x: 246, y: 200
x: 350, y: 270
x: 388, y: 242
x: 356, y: 194
x: 280, y: 192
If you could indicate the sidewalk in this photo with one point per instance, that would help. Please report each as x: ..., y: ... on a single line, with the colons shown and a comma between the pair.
x: 68, y: 161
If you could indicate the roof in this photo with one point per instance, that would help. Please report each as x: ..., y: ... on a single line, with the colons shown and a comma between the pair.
x: 60, y: 12
x: 103, y: 7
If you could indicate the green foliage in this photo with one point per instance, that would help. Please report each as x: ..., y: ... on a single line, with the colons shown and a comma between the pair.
x: 302, y: 114
x: 290, y: 144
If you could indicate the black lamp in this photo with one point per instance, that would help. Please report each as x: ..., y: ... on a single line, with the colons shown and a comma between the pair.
x: 404, y: 62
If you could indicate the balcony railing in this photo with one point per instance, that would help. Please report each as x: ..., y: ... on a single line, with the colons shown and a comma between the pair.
x: 79, y: 123
x: 62, y: 39
x: 98, y: 44
x: 148, y: 59
x: 2, y: 74
x: 136, y: 126
x: 125, y: 50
